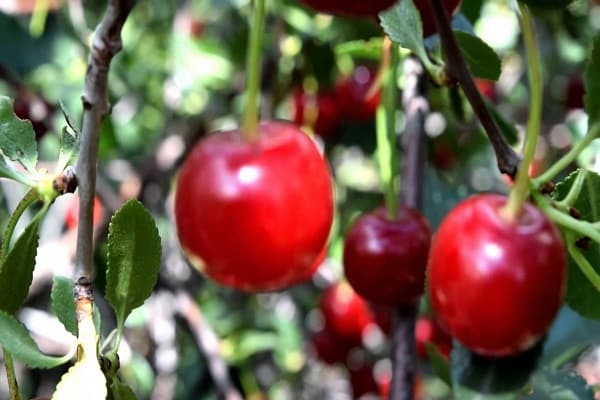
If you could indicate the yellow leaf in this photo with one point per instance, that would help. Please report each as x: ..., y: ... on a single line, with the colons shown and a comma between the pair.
x: 85, y: 378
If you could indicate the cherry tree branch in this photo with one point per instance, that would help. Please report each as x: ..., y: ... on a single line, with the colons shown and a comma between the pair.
x: 209, y: 345
x: 106, y: 43
x: 458, y: 71
x: 416, y: 108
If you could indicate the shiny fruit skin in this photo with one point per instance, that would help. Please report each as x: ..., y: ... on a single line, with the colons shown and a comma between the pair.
x: 319, y: 111
x: 352, y: 91
x: 253, y: 215
x: 346, y: 314
x: 385, y: 260
x: 496, y: 286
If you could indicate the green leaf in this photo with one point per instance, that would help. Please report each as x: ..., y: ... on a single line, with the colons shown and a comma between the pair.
x: 482, y: 59
x: 17, y: 138
x: 15, y: 338
x: 69, y: 145
x: 439, y: 365
x: 477, y: 377
x: 133, y: 258
x: 7, y: 171
x: 120, y: 391
x: 592, y: 83
x: 558, y: 385
x: 581, y: 295
x: 69, y: 141
x: 16, y: 272
x: 403, y: 25
x: 63, y: 303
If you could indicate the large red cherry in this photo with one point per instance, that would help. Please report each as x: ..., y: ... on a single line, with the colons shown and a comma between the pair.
x: 384, y: 259
x: 254, y: 214
x: 319, y: 111
x: 346, y: 314
x: 496, y: 285
x: 355, y: 101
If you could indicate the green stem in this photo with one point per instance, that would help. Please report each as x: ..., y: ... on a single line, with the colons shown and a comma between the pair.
x: 568, y: 158
x: 574, y: 192
x: 13, y: 386
x: 583, y: 264
x: 567, y: 356
x: 26, y: 201
x: 250, y: 123
x: 520, y: 191
x: 387, y: 153
x: 112, y: 354
x: 583, y: 228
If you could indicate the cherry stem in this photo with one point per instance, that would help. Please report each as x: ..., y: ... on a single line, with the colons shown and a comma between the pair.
x: 569, y: 157
x: 584, y: 228
x: 582, y: 262
x: 413, y: 164
x: 458, y: 71
x: 13, y: 386
x: 387, y: 153
x: 25, y: 202
x: 520, y: 192
x: 575, y: 190
x: 250, y: 122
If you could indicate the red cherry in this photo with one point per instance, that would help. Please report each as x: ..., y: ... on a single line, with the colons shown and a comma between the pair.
x: 363, y: 381
x: 383, y: 318
x: 72, y: 214
x: 318, y: 111
x: 428, y: 330
x: 487, y: 89
x: 385, y: 260
x: 346, y: 314
x: 330, y: 348
x: 443, y: 156
x: 253, y: 215
x: 574, y: 93
x: 352, y: 94
x: 495, y: 285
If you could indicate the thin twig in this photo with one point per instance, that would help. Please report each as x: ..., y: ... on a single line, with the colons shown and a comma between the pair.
x: 208, y: 344
x: 413, y: 164
x: 106, y: 43
x: 457, y: 70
